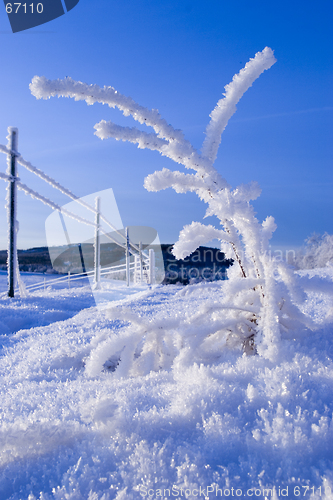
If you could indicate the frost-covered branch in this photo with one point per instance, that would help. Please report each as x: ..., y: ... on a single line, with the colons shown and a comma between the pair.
x: 105, y: 130
x: 194, y: 235
x: 180, y: 182
x: 226, y: 106
x: 176, y: 147
x: 232, y: 208
x: 260, y: 306
x: 42, y: 88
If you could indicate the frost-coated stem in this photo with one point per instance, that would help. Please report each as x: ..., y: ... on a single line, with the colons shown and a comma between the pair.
x: 226, y: 106
x: 42, y: 88
x: 242, y: 231
x: 236, y: 253
x: 257, y: 305
x: 168, y: 141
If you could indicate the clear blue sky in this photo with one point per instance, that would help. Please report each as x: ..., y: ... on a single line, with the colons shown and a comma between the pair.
x: 176, y: 56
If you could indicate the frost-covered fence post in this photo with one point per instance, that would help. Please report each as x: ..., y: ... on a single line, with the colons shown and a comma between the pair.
x: 136, y: 269
x: 140, y: 259
x: 127, y: 257
x: 82, y: 259
x: 151, y: 266
x: 11, y: 209
x: 97, y: 245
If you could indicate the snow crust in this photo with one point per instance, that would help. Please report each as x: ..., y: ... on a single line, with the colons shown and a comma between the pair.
x: 73, y: 427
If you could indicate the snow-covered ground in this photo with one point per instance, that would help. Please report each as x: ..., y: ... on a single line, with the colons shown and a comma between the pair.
x: 239, y: 426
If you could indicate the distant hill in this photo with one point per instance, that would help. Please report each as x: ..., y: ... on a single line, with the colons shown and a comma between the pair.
x: 31, y: 260
x: 205, y: 263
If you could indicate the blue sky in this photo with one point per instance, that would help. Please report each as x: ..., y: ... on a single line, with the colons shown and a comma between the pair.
x: 176, y: 56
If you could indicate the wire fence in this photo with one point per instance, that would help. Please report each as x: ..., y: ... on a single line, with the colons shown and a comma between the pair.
x: 143, y: 267
x: 69, y: 278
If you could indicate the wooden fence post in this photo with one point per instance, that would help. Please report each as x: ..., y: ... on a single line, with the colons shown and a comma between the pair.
x: 12, y: 145
x: 151, y: 267
x: 97, y: 245
x: 140, y: 260
x: 127, y: 258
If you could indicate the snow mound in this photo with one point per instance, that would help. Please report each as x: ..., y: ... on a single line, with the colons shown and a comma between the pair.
x: 238, y: 424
